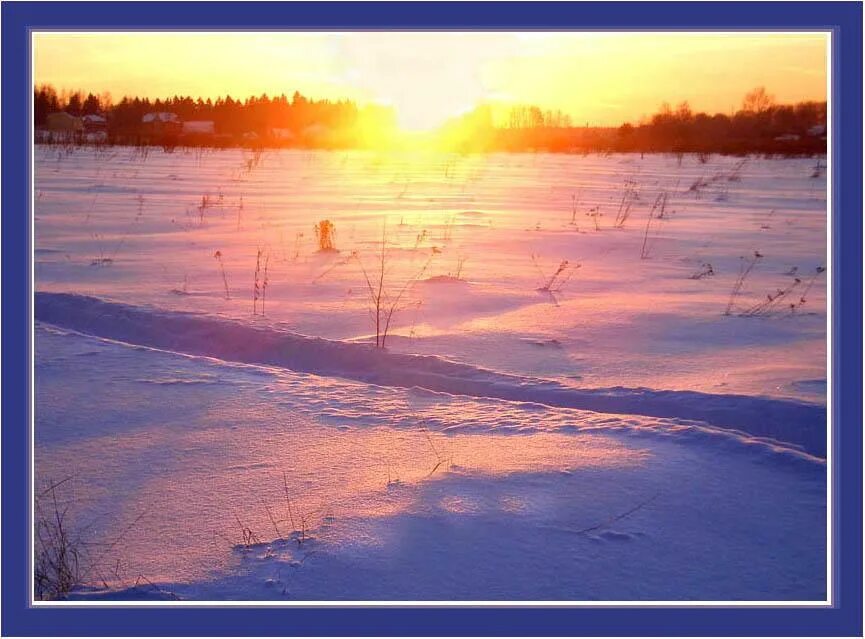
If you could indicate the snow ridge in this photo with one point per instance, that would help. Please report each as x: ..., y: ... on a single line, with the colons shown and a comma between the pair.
x: 799, y: 424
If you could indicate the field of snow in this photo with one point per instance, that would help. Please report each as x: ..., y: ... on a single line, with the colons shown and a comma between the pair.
x: 604, y: 376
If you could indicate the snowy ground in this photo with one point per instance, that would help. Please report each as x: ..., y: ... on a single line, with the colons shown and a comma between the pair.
x: 618, y: 437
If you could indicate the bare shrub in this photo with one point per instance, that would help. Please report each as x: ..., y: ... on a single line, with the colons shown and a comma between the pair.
x: 64, y: 557
x: 657, y: 212
x: 325, y: 233
x: 58, y: 551
x: 259, y: 289
x: 218, y: 257
x: 630, y: 194
x: 555, y: 282
x: 745, y: 268
x: 385, y: 299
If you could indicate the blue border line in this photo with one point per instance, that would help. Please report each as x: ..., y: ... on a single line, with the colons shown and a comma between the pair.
x: 845, y: 619
x: 847, y: 313
x: 432, y: 15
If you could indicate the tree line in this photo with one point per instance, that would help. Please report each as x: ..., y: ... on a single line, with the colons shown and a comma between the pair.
x: 760, y: 125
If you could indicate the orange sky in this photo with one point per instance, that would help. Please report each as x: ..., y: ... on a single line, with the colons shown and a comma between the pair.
x: 598, y: 78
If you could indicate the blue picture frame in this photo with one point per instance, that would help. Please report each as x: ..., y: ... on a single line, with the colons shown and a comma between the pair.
x: 844, y: 19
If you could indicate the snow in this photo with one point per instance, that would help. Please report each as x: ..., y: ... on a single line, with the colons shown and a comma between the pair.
x: 614, y: 436
x: 795, y: 423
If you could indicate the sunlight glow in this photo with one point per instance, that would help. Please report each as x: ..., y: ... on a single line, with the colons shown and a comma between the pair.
x: 600, y: 79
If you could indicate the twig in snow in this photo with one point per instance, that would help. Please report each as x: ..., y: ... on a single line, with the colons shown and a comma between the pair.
x: 616, y: 518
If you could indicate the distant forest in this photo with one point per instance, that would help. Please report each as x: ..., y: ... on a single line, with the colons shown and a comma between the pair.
x: 760, y: 125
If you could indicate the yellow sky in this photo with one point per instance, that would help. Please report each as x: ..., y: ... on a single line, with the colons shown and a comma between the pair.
x: 598, y: 78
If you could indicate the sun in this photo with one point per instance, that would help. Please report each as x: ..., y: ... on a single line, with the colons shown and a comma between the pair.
x: 427, y: 78
x: 422, y: 109
x: 422, y: 105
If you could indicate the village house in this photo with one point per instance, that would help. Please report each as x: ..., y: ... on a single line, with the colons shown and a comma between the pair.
x: 161, y: 123
x: 95, y: 128
x: 198, y: 128
x: 94, y: 122
x: 60, y: 127
x: 63, y: 122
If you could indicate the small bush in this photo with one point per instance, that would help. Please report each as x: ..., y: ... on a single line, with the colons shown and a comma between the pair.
x: 325, y: 232
x: 58, y: 553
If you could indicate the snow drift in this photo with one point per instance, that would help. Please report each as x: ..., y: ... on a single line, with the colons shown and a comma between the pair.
x: 799, y: 424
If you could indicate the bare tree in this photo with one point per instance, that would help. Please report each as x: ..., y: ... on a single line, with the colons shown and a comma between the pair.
x: 758, y: 101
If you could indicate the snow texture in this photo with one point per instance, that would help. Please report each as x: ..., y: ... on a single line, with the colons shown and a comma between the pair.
x: 572, y: 406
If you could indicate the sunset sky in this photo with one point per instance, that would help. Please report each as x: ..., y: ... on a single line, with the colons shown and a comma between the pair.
x: 598, y: 78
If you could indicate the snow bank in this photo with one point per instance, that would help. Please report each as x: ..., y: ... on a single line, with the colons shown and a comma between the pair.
x: 795, y: 423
